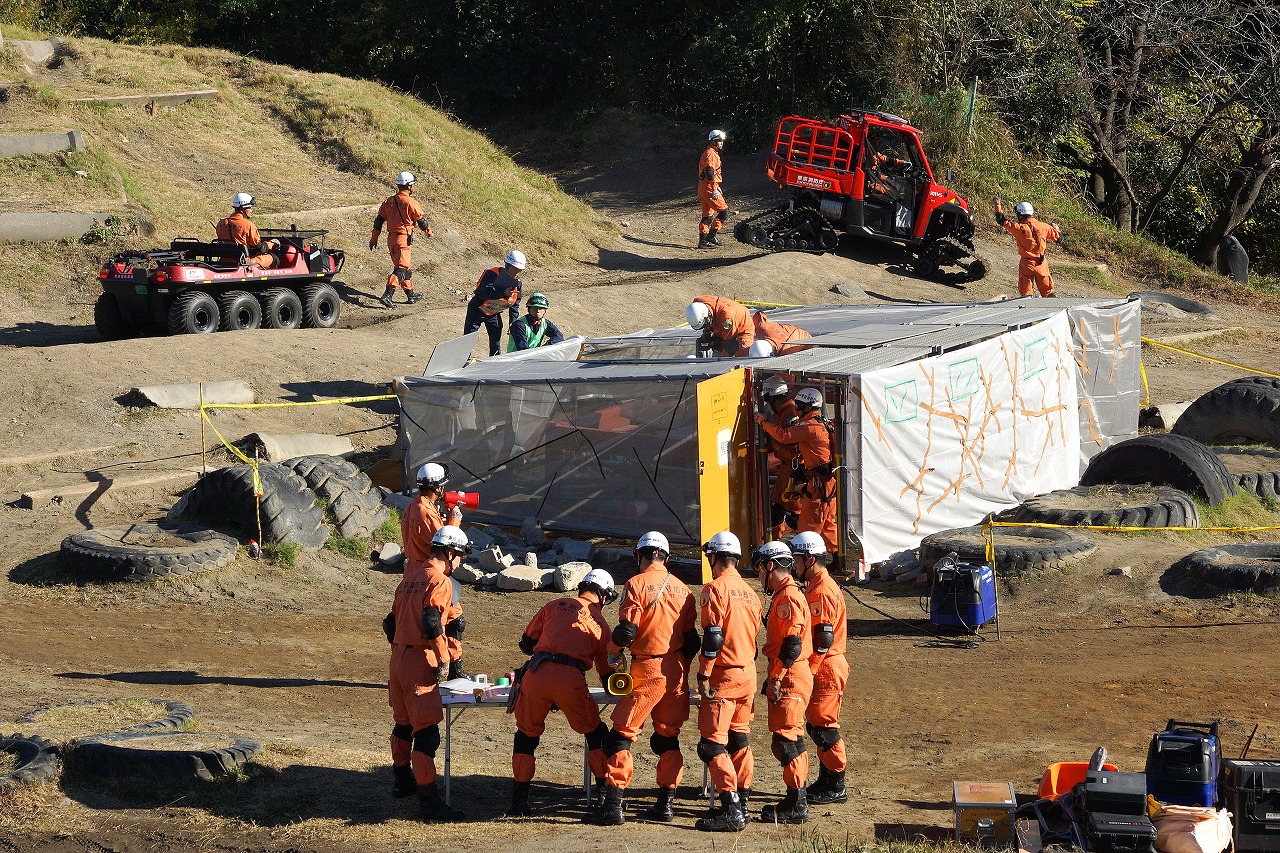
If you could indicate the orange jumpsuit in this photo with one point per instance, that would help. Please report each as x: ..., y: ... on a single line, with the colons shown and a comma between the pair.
x: 402, y: 213
x: 1032, y: 237
x: 785, y: 455
x: 789, y: 617
x: 710, y: 176
x: 878, y: 180
x: 818, y: 503
x: 412, y: 687
x: 830, y: 669
x: 732, y: 332
x: 783, y: 336
x: 574, y: 631
x: 238, y: 228
x: 661, y: 607
x: 418, y: 525
x: 725, y: 721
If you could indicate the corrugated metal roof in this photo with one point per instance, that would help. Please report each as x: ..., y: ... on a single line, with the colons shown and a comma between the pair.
x: 875, y: 334
x: 841, y: 361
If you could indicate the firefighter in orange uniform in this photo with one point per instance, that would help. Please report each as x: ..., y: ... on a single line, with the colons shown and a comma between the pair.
x: 788, y: 645
x: 714, y: 209
x: 829, y: 666
x: 727, y: 330
x: 727, y: 684
x: 564, y: 639
x: 783, y: 502
x: 401, y: 213
x: 777, y: 338
x: 656, y: 622
x: 884, y: 161
x: 239, y: 228
x: 419, y: 662
x: 1033, y: 238
x: 809, y: 432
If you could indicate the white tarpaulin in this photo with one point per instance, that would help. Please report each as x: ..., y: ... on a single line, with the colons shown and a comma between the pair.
x: 945, y: 440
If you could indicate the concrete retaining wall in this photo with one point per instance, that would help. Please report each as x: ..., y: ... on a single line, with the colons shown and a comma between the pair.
x: 36, y: 51
x: 41, y: 143
x: 47, y: 226
x: 162, y: 99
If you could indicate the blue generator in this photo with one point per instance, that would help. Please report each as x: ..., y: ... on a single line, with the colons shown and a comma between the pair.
x: 1183, y: 762
x: 963, y: 596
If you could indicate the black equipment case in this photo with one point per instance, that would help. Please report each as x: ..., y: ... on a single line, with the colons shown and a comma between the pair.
x: 1250, y: 790
x: 1119, y: 833
x: 1105, y: 792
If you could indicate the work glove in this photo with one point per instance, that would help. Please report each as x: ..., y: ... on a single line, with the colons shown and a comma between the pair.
x: 373, y: 240
x: 442, y: 673
x: 760, y: 418
x: 705, y: 690
x: 907, y: 165
x: 716, y: 194
x: 427, y: 231
x: 772, y: 690
x: 455, y: 516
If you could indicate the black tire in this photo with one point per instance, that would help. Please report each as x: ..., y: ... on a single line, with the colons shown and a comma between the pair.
x: 144, y: 756
x: 355, y: 503
x: 241, y: 311
x: 140, y: 552
x: 1019, y: 550
x: 1244, y: 411
x: 37, y: 760
x: 281, y: 309
x: 1182, y: 303
x: 1248, y: 567
x: 1256, y: 470
x: 193, y: 313
x: 1111, y: 506
x: 175, y: 714
x: 225, y: 499
x: 1163, y: 459
x: 321, y: 306
x: 108, y: 319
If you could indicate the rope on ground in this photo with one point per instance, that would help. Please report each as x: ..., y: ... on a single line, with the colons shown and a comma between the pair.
x: 1146, y: 389
x: 1246, y: 367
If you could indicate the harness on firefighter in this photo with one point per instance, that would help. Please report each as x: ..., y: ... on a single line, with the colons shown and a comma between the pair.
x: 817, y: 482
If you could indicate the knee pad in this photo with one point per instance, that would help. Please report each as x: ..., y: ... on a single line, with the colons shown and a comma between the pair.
x: 408, y: 274
x: 824, y: 737
x: 708, y: 220
x: 709, y: 749
x: 595, y: 737
x: 663, y: 743
x: 525, y: 744
x: 723, y: 216
x: 738, y: 741
x: 777, y: 514
x: 786, y: 750
x: 404, y: 732
x: 614, y: 743
x: 401, y: 273
x: 427, y: 740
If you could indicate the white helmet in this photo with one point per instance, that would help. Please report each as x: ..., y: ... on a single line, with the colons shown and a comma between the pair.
x: 808, y: 543
x: 697, y: 315
x: 717, y: 136
x: 775, y: 550
x: 809, y: 397
x: 242, y: 200
x: 654, y: 539
x: 761, y: 349
x: 433, y: 474
x: 405, y: 179
x: 1024, y: 208
x: 774, y: 386
x: 723, y: 543
x: 453, y: 538
x: 516, y: 258
x: 603, y: 581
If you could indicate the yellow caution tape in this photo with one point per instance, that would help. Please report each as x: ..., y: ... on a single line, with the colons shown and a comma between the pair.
x: 767, y: 304
x: 231, y: 446
x: 334, y: 402
x: 1146, y: 389
x: 1210, y: 358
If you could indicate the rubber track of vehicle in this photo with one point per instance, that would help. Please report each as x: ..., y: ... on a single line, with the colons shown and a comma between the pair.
x: 124, y: 755
x: 176, y: 714
x: 289, y: 509
x: 1243, y: 411
x: 1111, y: 507
x: 1243, y: 567
x: 102, y: 553
x: 766, y: 220
x: 355, y: 503
x: 1163, y: 459
x: 37, y: 760
x: 1061, y: 548
x: 1264, y: 483
x: 962, y: 250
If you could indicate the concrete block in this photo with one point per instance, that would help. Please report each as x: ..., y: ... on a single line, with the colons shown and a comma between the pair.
x: 531, y: 532
x: 37, y: 51
x: 566, y: 576
x: 611, y: 555
x: 469, y: 573
x: 278, y: 448
x: 478, y: 536
x: 531, y: 559
x: 389, y: 554
x: 574, y: 549
x: 16, y: 227
x: 849, y: 290
x: 186, y: 395
x: 908, y: 575
x: 41, y: 143
x: 1163, y: 415
x: 160, y: 99
x: 488, y: 581
x: 493, y: 560
x: 522, y: 579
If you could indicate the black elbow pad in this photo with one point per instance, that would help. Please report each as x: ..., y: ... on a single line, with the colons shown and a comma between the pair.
x: 432, y: 625
x: 423, y: 224
x: 692, y: 643
x: 790, y: 651
x: 389, y: 626
x: 708, y: 174
x: 824, y: 637
x: 378, y: 222
x: 527, y: 644
x: 712, y: 642
x: 625, y: 634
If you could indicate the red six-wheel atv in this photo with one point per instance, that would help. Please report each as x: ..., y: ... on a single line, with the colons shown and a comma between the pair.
x: 196, y: 288
x: 865, y: 174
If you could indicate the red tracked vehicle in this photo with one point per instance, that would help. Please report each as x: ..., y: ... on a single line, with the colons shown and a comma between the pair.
x: 864, y: 174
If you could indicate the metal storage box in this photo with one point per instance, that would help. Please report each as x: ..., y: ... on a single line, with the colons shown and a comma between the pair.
x: 984, y: 811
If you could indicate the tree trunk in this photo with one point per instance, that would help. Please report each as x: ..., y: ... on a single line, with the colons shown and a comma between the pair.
x: 1242, y: 189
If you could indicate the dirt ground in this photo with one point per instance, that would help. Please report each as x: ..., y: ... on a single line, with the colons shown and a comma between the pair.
x: 296, y: 659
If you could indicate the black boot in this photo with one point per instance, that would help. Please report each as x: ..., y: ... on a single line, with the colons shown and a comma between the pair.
x: 726, y: 818
x: 596, y: 802
x: 385, y: 298
x: 704, y: 241
x: 412, y: 296
x: 520, y: 805
x: 829, y: 788
x: 794, y: 808
x: 713, y: 239
x: 661, y: 810
x: 456, y: 670
x: 432, y: 808
x: 404, y: 785
x: 611, y: 811
x: 744, y: 797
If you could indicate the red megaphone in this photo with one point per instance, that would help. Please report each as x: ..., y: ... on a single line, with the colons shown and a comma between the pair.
x: 469, y: 500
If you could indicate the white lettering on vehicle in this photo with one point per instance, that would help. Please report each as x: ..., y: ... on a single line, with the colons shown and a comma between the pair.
x: 808, y: 181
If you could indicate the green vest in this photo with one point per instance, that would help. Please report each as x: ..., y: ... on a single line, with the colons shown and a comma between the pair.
x: 534, y: 341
